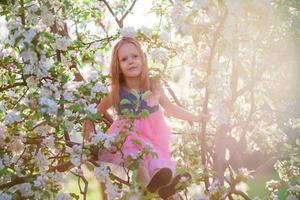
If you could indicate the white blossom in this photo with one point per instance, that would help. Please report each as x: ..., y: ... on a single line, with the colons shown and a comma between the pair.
x: 49, y: 180
x: 102, y: 173
x: 6, y: 159
x: 134, y: 197
x: 134, y: 155
x: 12, y: 117
x: 76, y: 155
x: 32, y: 16
x: 291, y: 197
x: 197, y: 4
x: 245, y: 172
x: 101, y: 137
x: 128, y: 32
x: 49, y: 106
x: 99, y: 58
x: 49, y: 141
x: 98, y: 88
x: 17, y: 32
x: 43, y: 130
x: 10, y: 94
x: 274, y: 196
x: 72, y: 85
x: 47, y: 17
x: 98, y: 137
x: 30, y: 56
x: 29, y: 35
x: 201, y: 197
x: 164, y: 37
x: 63, y: 196
x: 62, y: 43
x: 4, y: 196
x: 90, y: 74
x: 158, y: 55
x: 256, y: 198
x: 3, y: 131
x: 272, y: 185
x: 3, y: 29
x: 25, y: 189
x: 68, y: 95
x: 112, y: 190
x: 214, y: 187
x: 221, y: 111
x: 92, y: 108
x: 2, y: 106
x: 1, y: 164
x: 40, y: 69
x: 17, y: 145
x: 146, y: 31
x: 32, y: 82
x: 294, y: 188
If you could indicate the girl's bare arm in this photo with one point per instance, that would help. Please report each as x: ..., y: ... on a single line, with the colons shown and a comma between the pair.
x: 176, y: 111
x: 104, y: 104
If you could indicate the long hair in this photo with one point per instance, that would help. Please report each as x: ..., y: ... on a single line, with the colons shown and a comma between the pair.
x: 117, y: 78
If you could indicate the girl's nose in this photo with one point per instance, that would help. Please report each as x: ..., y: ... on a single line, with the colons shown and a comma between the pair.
x: 130, y: 59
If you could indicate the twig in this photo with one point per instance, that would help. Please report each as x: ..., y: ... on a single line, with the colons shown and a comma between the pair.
x: 112, y: 13
x: 128, y: 11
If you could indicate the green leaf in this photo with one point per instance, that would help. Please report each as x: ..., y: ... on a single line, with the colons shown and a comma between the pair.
x: 145, y: 95
x: 86, y: 151
x: 124, y: 101
x: 144, y: 113
x: 64, y: 78
x: 135, y: 93
x: 136, y: 141
x: 75, y: 108
x: 134, y: 166
x: 6, y: 170
x: 62, y: 142
x: 94, y: 116
x: 74, y: 196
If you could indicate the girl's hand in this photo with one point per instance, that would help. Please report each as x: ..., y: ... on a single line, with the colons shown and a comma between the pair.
x: 204, y: 117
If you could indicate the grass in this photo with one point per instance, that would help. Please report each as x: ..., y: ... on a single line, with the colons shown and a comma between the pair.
x: 257, y: 186
x: 71, y: 185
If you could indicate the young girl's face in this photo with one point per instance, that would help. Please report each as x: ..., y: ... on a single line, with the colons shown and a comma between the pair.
x: 131, y: 62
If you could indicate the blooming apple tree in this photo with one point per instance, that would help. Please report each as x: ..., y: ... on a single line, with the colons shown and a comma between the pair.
x: 238, y: 57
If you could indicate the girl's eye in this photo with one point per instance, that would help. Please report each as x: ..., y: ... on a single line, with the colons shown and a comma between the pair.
x: 123, y: 59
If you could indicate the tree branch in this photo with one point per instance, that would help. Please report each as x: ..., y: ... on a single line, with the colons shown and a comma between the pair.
x: 112, y: 13
x: 6, y: 87
x: 128, y: 11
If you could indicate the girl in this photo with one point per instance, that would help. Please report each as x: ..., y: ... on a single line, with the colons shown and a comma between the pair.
x: 129, y: 71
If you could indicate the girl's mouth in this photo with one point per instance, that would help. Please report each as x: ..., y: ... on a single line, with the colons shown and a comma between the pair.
x: 132, y: 68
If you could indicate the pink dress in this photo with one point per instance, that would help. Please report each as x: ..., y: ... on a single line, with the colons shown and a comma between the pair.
x: 151, y: 131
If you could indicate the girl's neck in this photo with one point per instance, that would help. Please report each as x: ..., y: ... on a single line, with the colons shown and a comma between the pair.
x: 132, y: 84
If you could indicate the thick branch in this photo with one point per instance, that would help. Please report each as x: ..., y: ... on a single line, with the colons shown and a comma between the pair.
x: 201, y: 136
x: 6, y: 87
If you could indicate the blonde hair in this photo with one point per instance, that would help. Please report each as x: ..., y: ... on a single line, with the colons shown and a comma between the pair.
x: 117, y: 78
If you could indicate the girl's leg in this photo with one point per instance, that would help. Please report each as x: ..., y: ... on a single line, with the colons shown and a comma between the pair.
x: 142, y: 175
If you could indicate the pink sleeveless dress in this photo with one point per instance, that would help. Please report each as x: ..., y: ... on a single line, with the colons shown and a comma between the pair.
x: 151, y: 131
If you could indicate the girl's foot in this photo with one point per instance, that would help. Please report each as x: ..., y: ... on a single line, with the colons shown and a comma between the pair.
x: 161, y: 178
x: 177, y: 184
x: 175, y: 197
